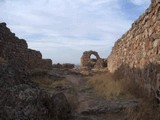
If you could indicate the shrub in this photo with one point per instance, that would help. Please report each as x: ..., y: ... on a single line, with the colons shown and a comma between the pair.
x: 107, y: 87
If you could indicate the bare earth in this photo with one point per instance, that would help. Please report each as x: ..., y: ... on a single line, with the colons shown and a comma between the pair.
x: 87, y: 106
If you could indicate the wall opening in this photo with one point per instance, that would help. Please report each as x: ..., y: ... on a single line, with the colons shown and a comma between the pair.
x: 93, y: 60
x: 93, y: 56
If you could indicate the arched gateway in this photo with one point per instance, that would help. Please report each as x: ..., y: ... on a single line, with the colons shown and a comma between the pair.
x: 88, y: 62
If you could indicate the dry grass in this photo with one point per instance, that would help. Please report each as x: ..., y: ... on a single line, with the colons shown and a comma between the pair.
x: 50, y: 83
x: 118, y: 87
x: 106, y: 87
x: 53, y: 84
x: 148, y: 110
x: 38, y: 72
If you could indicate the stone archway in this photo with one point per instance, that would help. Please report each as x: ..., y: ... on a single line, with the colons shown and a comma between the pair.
x: 87, y: 61
x: 93, y: 60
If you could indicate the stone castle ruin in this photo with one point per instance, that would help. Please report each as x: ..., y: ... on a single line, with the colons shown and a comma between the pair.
x: 137, y: 53
x: 16, y: 52
x: 90, y: 63
x: 20, y: 97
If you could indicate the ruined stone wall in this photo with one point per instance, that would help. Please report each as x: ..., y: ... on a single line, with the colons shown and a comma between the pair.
x: 86, y: 60
x: 34, y: 58
x: 88, y: 63
x: 86, y: 57
x: 15, y: 51
x: 137, y: 52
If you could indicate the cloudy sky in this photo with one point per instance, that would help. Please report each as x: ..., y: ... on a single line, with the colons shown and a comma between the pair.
x: 63, y: 29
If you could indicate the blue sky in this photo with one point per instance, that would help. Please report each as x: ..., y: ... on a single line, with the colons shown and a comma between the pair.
x: 63, y: 29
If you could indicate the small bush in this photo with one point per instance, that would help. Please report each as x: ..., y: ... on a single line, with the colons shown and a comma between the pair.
x: 107, y: 87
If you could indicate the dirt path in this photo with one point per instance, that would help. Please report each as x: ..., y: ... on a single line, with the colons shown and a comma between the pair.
x: 89, y: 107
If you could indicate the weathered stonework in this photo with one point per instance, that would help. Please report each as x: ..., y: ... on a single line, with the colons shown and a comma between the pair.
x: 138, y: 50
x: 20, y: 97
x: 87, y: 62
x: 15, y: 51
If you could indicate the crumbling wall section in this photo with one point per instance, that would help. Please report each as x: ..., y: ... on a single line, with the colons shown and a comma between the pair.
x: 15, y: 51
x: 85, y: 59
x: 88, y: 63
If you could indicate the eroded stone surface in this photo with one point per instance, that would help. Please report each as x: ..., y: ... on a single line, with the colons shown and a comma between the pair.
x: 21, y: 99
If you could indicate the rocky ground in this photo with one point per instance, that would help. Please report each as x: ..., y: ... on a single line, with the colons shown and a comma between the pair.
x: 22, y: 99
x: 85, y: 104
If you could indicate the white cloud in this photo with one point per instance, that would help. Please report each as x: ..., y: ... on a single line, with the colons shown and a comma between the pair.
x: 60, y: 27
x: 140, y: 2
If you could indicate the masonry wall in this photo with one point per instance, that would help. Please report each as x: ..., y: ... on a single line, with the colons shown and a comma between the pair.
x: 15, y: 51
x: 137, y: 52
